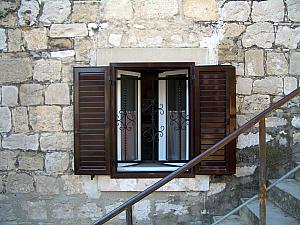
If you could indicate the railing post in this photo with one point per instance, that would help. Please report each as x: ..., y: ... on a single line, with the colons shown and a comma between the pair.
x: 263, y: 171
x: 129, y: 216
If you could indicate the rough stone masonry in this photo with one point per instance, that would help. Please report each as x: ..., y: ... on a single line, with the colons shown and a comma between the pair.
x: 40, y: 42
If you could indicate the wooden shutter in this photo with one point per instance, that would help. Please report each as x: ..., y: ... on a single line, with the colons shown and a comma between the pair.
x: 214, y: 105
x: 91, y: 120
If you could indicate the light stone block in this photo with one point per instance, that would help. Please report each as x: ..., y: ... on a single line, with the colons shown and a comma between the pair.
x: 296, y: 122
x: 245, y: 171
x: 296, y: 138
x: 31, y: 94
x: 30, y: 161
x: 255, y: 103
x: 8, y: 160
x: 270, y: 10
x: 249, y: 140
x: 36, y: 210
x: 20, y: 119
x: 90, y: 210
x: 260, y: 34
x: 115, y: 39
x: 83, y: 47
x: 15, y: 69
x: 68, y: 30
x: 57, y: 93
x: 14, y: 40
x: 3, y: 39
x: 293, y: 8
x: 46, y: 185
x: 47, y: 70
x: 244, y: 86
x: 142, y: 210
x: 117, y: 10
x: 63, y: 54
x: 233, y: 29
x: 72, y: 185
x: 236, y: 11
x: 19, y: 183
x: 63, y: 209
x: 294, y: 68
x: 216, y: 188
x: 85, y: 11
x: 275, y: 121
x: 56, y: 141
x: 67, y: 118
x: 55, y: 11
x: 277, y: 63
x: 269, y: 85
x: 21, y: 141
x: 287, y: 37
x: 36, y: 39
x: 167, y: 207
x: 9, y: 95
x: 5, y: 119
x: 200, y: 10
x: 290, y: 84
x: 254, y: 63
x: 28, y: 12
x: 45, y: 118
x: 57, y: 162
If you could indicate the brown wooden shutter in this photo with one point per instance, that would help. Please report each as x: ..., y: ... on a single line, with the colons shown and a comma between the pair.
x: 214, y: 105
x: 91, y: 120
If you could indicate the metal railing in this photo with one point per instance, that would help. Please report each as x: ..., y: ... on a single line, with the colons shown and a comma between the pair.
x: 260, y: 118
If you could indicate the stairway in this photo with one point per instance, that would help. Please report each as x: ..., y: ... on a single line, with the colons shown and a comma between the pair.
x: 283, y: 206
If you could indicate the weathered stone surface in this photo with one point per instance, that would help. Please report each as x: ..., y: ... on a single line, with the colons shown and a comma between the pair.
x: 277, y: 63
x: 83, y: 48
x: 251, y: 139
x: 254, y: 60
x: 36, y: 39
x: 296, y: 122
x: 30, y: 161
x: 115, y: 39
x: 61, y: 43
x: 1, y: 184
x: 7, y: 214
x: 261, y: 11
x: 200, y: 10
x: 58, y: 93
x: 67, y: 118
x: 8, y: 160
x: 63, y: 210
x: 294, y: 63
x: 9, y: 95
x: 165, y: 207
x: 7, y: 7
x: 296, y: 137
x: 31, y: 94
x: 36, y: 210
x: 85, y: 11
x: 3, y: 45
x: 245, y: 171
x: 47, y: 70
x: 293, y: 7
x: 68, y: 30
x: 45, y: 118
x: 233, y: 29
x: 287, y: 37
x: 90, y: 210
x: 117, y: 9
x: 269, y: 85
x: 14, y: 40
x: 57, y: 162
x: 142, y: 210
x: 236, y: 11
x: 244, y: 86
x: 19, y: 183
x: 56, y: 141
x: 274, y: 121
x: 259, y: 34
x: 9, y: 21
x: 63, y: 54
x: 72, y: 184
x: 21, y: 141
x: 5, y: 121
x: 55, y: 11
x: 255, y: 103
x: 20, y: 119
x: 15, y: 69
x: 289, y: 84
x: 28, y: 12
x: 46, y: 185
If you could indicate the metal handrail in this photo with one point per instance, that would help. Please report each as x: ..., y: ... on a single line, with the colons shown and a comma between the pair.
x: 259, y: 118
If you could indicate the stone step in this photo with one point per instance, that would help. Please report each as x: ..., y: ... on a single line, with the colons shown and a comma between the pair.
x: 275, y: 215
x: 286, y: 195
x: 297, y: 174
x: 231, y: 220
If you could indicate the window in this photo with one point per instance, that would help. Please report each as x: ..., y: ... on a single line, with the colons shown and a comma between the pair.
x: 148, y: 119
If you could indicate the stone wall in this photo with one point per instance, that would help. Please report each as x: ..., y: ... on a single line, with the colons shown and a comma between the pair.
x: 40, y: 42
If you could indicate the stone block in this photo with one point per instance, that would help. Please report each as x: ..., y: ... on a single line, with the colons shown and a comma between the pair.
x: 245, y: 171
x: 90, y: 210
x: 21, y: 141
x: 200, y: 10
x: 8, y: 160
x: 293, y: 8
x: 63, y: 54
x: 9, y: 95
x: 36, y: 210
x: 31, y: 94
x: 251, y: 139
x: 19, y: 183
x: 236, y: 11
x: 296, y: 122
x: 45, y: 118
x: 28, y: 12
x: 67, y: 118
x: 161, y: 9
x: 269, y: 85
x: 31, y: 161
x: 255, y: 103
x: 56, y: 141
x: 61, y: 43
x: 294, y: 63
x: 254, y: 63
x: 72, y: 185
x: 296, y: 138
x: 7, y: 7
x: 47, y: 70
x: 85, y: 12
x: 117, y: 10
x: 82, y: 49
x: 270, y: 10
x: 233, y: 29
x: 3, y: 39
x: 58, y: 93
x: 56, y: 11
x: 46, y: 185
x: 115, y: 39
x: 259, y: 34
x: 63, y: 210
x: 274, y: 121
x: 167, y: 207
x: 15, y: 69
x: 287, y: 37
x: 244, y: 86
x: 57, y: 162
x: 36, y: 39
x: 14, y: 40
x: 277, y: 63
x: 5, y: 119
x: 7, y: 213
x: 68, y: 30
x: 289, y: 84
